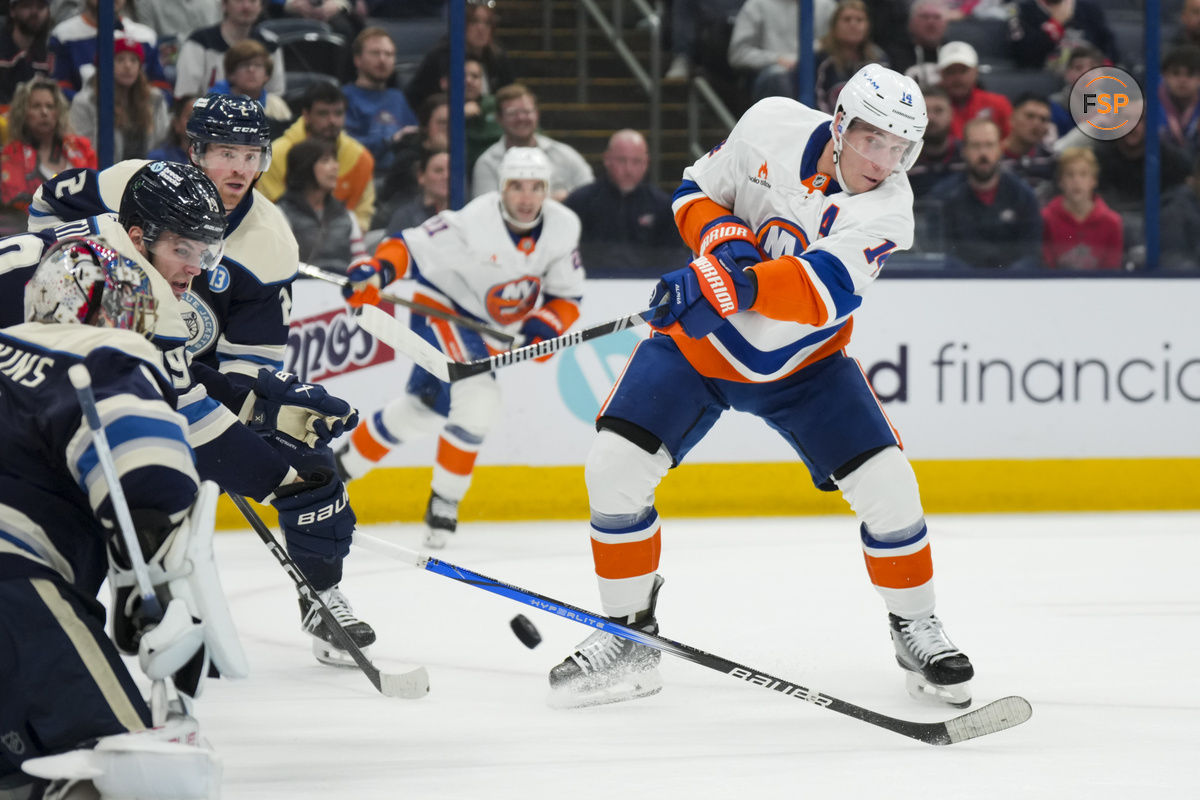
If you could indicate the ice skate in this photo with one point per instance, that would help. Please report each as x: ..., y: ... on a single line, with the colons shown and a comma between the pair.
x: 936, y: 669
x: 325, y: 642
x: 609, y: 669
x: 441, y: 520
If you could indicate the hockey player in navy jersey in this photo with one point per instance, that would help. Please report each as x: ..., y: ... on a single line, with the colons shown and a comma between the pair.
x: 237, y: 315
x: 790, y: 218
x: 64, y: 684
x: 509, y: 258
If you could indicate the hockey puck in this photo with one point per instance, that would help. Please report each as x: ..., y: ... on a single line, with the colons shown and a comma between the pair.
x: 525, y: 631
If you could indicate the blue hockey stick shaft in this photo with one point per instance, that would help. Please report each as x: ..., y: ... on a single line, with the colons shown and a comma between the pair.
x: 995, y: 716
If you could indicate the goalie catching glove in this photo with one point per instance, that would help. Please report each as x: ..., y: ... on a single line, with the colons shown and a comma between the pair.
x: 714, y: 286
x: 281, y: 403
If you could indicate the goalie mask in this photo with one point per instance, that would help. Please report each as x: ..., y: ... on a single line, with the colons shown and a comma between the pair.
x: 85, y: 282
x: 523, y: 212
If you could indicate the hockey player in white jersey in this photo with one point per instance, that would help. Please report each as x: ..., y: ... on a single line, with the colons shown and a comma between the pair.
x: 238, y: 314
x: 790, y: 218
x: 509, y: 259
x: 70, y: 711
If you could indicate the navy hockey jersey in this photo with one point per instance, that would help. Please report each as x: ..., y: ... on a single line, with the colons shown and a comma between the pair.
x: 53, y: 494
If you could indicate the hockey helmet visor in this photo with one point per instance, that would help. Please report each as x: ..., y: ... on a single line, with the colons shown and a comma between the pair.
x: 887, y: 102
x: 221, y: 119
x: 166, y: 197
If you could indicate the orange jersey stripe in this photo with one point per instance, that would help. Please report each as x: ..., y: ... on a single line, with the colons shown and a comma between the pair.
x: 453, y: 459
x: 901, y: 572
x: 786, y: 293
x: 395, y: 252
x: 694, y: 217
x: 710, y: 363
x: 627, y: 560
x: 367, y: 445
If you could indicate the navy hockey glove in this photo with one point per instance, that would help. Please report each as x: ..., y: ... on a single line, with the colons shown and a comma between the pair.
x: 306, y: 412
x: 701, y: 295
x: 315, y: 515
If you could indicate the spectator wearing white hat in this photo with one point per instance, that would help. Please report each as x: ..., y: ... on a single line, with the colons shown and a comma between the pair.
x: 958, y: 64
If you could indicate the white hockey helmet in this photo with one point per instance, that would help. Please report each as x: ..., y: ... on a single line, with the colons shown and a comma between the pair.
x: 888, y: 100
x: 523, y: 163
x: 85, y: 282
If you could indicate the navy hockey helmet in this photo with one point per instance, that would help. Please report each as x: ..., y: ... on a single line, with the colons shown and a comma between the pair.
x: 229, y: 119
x: 84, y: 281
x: 164, y: 196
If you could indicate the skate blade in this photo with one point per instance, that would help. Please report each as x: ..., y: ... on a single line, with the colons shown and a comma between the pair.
x: 631, y: 687
x: 957, y: 694
x: 333, y: 656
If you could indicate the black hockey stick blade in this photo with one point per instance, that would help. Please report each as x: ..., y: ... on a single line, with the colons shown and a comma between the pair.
x: 996, y: 716
x: 395, y: 334
x: 409, y: 685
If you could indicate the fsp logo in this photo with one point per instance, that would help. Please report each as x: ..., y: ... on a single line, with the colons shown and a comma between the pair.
x: 1106, y: 103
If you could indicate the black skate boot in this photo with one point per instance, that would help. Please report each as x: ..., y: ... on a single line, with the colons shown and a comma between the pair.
x: 441, y: 520
x: 935, y: 667
x: 608, y: 669
x: 325, y: 643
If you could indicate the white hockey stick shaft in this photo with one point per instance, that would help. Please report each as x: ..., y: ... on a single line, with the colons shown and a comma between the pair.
x: 81, y: 379
x: 314, y: 271
x: 398, y: 336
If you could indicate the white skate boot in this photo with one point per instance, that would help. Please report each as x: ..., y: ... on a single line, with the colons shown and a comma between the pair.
x: 608, y: 669
x: 326, y: 647
x: 936, y: 669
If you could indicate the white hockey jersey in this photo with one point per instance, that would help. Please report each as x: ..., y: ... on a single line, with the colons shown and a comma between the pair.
x: 470, y: 257
x: 765, y: 176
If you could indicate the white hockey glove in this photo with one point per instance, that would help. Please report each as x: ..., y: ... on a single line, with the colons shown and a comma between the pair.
x: 303, y: 411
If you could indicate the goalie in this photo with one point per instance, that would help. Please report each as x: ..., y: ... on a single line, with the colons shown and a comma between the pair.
x: 73, y: 720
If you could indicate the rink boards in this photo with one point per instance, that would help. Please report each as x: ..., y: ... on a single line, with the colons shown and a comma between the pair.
x: 1033, y: 395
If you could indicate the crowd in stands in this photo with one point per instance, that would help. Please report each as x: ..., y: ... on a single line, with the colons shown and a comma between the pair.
x: 1005, y: 179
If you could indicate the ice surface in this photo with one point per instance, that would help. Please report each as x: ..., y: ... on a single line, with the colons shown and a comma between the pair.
x: 1093, y: 618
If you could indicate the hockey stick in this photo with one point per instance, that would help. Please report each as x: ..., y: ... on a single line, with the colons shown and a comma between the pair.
x: 995, y: 716
x: 392, y: 332
x: 409, y: 685
x: 81, y: 379
x: 313, y: 271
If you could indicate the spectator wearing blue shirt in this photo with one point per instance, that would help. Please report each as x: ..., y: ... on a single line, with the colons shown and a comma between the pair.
x: 376, y: 115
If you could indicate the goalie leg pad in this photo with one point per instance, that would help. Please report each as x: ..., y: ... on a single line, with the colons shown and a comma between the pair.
x: 158, y: 763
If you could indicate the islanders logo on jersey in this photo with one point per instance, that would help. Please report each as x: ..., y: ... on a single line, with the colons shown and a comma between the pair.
x: 201, y: 323
x: 509, y: 302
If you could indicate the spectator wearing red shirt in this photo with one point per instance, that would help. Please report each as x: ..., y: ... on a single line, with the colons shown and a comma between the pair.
x: 1079, y: 230
x: 958, y: 64
x: 41, y: 146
